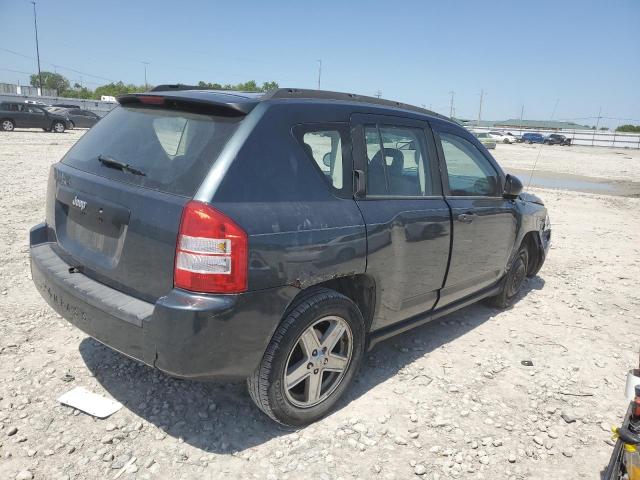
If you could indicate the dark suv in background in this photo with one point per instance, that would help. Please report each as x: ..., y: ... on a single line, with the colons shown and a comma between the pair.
x: 557, y: 139
x: 277, y: 237
x: 25, y: 115
x: 532, y: 138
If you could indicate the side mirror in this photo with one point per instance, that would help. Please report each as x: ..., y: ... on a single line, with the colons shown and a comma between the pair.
x: 512, y: 187
x: 327, y: 159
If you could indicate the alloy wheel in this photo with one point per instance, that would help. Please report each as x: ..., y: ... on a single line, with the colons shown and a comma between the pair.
x: 7, y: 125
x: 518, y: 275
x: 318, y: 362
x: 58, y: 127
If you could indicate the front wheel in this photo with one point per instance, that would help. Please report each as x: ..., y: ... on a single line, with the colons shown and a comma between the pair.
x: 506, y: 140
x: 7, y: 125
x: 58, y: 127
x: 514, y: 280
x: 311, y: 359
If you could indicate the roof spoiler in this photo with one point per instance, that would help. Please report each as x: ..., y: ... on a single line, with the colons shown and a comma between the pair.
x: 204, y: 105
x: 176, y: 87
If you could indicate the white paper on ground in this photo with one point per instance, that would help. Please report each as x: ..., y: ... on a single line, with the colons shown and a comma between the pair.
x: 90, y: 403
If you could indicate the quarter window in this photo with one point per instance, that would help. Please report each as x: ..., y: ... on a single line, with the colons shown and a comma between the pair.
x: 395, y: 161
x: 325, y: 148
x: 469, y: 172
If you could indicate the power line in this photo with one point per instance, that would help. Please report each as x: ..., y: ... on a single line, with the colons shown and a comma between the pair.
x: 15, y: 71
x: 13, y: 52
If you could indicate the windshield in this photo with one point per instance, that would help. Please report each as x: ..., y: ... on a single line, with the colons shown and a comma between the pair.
x: 174, y: 149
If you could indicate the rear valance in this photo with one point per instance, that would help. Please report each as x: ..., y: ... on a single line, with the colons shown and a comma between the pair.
x: 203, y: 103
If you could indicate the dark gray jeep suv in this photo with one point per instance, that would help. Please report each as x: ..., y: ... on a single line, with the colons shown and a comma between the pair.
x: 25, y: 115
x: 276, y: 237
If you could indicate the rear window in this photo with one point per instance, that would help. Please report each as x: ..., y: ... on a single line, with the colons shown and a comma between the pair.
x: 173, y: 149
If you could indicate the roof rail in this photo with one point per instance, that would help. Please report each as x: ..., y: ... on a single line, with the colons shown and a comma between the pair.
x: 351, y: 97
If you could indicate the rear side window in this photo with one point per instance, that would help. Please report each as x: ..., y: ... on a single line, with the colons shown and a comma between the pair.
x: 396, y: 161
x: 173, y: 149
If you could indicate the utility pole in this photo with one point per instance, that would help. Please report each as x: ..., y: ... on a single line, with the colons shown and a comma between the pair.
x: 521, y: 115
x: 319, y: 72
x: 146, y: 85
x: 480, y: 109
x: 35, y: 24
x: 452, y: 93
x: 554, y: 109
x: 593, y: 139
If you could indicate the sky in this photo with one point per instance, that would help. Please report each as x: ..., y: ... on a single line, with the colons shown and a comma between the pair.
x: 559, y: 59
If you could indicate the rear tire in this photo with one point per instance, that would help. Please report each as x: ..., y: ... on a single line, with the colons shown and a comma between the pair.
x: 311, y: 359
x: 58, y: 127
x: 7, y: 125
x: 506, y: 140
x: 514, y: 280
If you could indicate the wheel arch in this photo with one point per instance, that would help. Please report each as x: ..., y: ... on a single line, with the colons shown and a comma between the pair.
x: 536, y: 252
x: 359, y: 288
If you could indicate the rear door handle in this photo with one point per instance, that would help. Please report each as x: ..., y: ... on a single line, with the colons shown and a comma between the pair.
x: 466, y: 217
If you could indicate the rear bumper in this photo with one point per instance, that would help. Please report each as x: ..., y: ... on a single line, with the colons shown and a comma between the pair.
x: 184, y: 334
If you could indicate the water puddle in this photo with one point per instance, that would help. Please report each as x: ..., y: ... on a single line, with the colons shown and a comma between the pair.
x: 568, y: 184
x: 577, y: 183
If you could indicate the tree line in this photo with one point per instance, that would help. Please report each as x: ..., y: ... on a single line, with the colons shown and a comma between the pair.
x: 628, y: 128
x: 55, y: 81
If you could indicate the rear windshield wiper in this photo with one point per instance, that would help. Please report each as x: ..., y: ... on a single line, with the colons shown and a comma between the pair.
x: 113, y: 163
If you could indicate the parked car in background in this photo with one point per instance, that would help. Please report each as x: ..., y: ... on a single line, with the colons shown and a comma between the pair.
x: 514, y: 137
x: 532, y: 138
x: 240, y: 236
x: 557, y: 139
x: 27, y: 115
x: 59, y: 111
x: 82, y: 118
x: 502, y: 137
x: 486, y: 140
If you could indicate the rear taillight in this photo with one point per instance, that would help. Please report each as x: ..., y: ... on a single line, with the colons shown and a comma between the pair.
x: 211, y: 253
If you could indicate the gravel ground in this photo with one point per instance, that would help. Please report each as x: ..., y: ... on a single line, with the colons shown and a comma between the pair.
x: 447, y: 400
